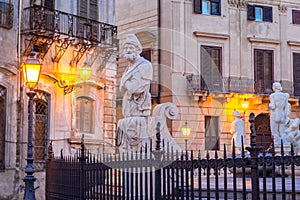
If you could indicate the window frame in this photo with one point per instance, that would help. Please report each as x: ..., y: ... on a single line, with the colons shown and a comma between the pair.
x: 198, y: 7
x: 296, y: 17
x: 296, y: 85
x: 260, y: 85
x: 6, y: 14
x: 214, y: 82
x: 212, y: 133
x: 267, y: 13
x: 82, y: 118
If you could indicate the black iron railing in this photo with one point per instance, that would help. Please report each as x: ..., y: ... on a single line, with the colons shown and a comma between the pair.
x: 213, y: 84
x: 158, y: 174
x: 39, y: 20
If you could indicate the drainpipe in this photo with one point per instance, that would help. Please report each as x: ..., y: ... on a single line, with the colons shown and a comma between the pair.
x: 159, y: 50
x: 19, y: 105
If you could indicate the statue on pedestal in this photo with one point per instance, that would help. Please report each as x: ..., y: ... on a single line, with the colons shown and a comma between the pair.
x: 279, y: 113
x: 137, y: 126
x: 238, y: 132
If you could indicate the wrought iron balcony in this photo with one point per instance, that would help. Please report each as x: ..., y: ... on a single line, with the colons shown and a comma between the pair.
x: 46, y: 25
x: 213, y: 84
x: 6, y: 15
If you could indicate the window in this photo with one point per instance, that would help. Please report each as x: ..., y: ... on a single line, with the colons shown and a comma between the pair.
x: 41, y: 125
x: 263, y: 70
x: 296, y: 16
x: 296, y: 73
x: 49, y: 4
x: 212, y: 133
x: 260, y: 13
x: 211, y: 70
x: 2, y: 126
x: 6, y: 14
x: 209, y: 7
x: 88, y: 9
x: 84, y: 114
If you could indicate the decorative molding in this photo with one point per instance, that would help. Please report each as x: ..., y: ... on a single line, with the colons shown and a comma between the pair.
x: 233, y: 3
x: 243, y: 3
x: 282, y: 8
x: 293, y: 43
x: 211, y: 35
x: 263, y: 40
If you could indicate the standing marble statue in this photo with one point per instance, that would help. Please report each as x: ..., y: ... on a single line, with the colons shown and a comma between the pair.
x: 135, y: 82
x: 279, y: 113
x: 238, y: 132
x: 136, y: 107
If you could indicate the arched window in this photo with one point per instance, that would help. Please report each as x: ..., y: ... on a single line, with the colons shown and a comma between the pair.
x: 84, y: 114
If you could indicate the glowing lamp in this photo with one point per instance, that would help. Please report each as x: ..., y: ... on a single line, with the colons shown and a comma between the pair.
x: 186, y: 131
x: 245, y: 105
x: 85, y: 72
x: 31, y: 71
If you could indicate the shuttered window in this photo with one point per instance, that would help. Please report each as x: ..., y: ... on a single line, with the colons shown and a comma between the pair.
x: 84, y: 114
x: 263, y: 70
x: 210, y: 7
x: 50, y: 4
x: 296, y: 16
x: 296, y: 73
x: 212, y: 133
x: 260, y: 13
x: 88, y: 9
x: 211, y: 69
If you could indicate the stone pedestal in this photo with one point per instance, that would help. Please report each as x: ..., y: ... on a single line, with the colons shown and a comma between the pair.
x: 286, y: 150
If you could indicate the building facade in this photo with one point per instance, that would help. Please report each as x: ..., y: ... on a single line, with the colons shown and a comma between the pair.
x: 213, y: 57
x: 76, y: 43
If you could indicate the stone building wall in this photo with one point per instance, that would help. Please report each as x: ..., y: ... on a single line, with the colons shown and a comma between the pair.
x: 183, y: 32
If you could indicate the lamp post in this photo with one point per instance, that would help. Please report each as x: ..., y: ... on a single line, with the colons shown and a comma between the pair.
x: 85, y: 72
x: 186, y: 131
x: 31, y: 72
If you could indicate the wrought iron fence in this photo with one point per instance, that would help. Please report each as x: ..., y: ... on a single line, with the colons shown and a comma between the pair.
x: 157, y: 174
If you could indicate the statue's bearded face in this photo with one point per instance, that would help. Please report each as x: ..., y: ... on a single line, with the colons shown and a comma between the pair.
x: 130, y: 52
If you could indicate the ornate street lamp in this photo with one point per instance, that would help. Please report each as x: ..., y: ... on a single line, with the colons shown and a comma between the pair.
x: 186, y: 131
x: 31, y: 73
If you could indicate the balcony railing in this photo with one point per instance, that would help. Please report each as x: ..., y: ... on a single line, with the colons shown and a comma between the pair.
x: 6, y: 15
x: 42, y: 21
x: 212, y: 84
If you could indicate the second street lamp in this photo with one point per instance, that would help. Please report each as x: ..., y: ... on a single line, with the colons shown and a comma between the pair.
x: 31, y: 73
x: 186, y: 131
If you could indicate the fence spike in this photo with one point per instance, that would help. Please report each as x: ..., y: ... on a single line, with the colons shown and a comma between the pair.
x: 50, y: 151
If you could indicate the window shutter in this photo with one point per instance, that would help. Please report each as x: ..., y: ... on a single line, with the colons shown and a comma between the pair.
x: 251, y: 12
x: 93, y: 10
x: 258, y: 70
x: 198, y: 6
x: 296, y: 16
x: 268, y: 70
x: 49, y: 4
x: 83, y: 8
x: 205, y: 68
x: 216, y: 7
x: 267, y: 14
x: 296, y: 73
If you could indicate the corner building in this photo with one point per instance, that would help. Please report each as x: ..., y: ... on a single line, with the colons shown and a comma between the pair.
x: 67, y: 37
